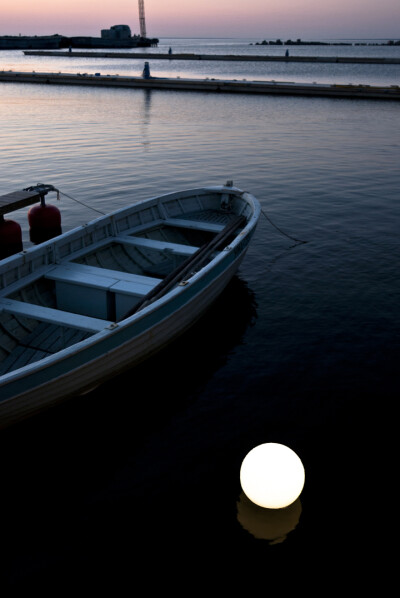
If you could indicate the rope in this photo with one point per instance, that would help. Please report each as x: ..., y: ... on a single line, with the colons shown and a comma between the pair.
x: 281, y: 231
x: 82, y: 203
x: 262, y: 211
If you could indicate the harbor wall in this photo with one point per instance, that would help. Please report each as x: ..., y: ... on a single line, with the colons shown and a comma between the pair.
x: 207, y: 85
x: 220, y: 57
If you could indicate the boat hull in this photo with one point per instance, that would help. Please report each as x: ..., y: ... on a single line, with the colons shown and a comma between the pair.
x: 98, y: 366
x: 127, y: 344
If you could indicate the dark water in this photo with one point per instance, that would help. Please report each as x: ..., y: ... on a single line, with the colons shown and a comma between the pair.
x: 138, y: 482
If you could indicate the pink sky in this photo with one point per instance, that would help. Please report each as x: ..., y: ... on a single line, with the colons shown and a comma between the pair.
x: 259, y: 19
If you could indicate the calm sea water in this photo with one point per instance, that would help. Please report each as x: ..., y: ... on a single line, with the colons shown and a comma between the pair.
x: 139, y: 481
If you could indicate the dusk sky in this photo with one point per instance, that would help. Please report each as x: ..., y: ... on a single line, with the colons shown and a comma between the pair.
x: 259, y: 19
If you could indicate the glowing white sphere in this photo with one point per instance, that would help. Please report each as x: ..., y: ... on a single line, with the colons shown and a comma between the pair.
x: 272, y: 475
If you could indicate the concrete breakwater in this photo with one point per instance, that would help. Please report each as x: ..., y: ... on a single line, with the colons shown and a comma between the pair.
x: 221, y: 57
x: 206, y: 85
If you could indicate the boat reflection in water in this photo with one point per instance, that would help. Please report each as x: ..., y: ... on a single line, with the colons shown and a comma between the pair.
x: 268, y: 524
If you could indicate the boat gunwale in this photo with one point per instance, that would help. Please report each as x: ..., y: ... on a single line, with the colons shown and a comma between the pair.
x: 52, y: 244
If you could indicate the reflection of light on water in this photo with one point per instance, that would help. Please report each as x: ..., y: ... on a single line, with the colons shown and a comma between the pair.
x: 268, y: 524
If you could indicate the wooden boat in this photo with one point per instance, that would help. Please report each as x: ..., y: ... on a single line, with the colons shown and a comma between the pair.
x: 101, y: 298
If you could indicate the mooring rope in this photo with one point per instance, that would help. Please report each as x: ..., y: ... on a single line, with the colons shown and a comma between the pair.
x: 262, y: 211
x: 280, y: 230
x: 82, y: 203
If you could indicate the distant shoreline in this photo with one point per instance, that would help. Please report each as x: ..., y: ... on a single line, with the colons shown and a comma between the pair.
x: 299, y: 42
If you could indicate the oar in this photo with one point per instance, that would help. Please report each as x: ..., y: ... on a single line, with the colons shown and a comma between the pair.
x: 188, y: 265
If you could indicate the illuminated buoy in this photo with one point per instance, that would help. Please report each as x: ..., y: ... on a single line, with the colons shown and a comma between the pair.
x: 44, y: 222
x: 272, y: 476
x: 10, y: 238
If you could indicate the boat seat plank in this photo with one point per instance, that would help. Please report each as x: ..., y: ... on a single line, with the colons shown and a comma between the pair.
x: 98, y: 292
x: 97, y: 277
x: 138, y: 228
x: 176, y: 248
x: 211, y: 227
x: 69, y: 273
x: 55, y: 316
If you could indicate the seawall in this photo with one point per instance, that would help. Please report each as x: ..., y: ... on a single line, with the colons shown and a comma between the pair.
x: 207, y: 85
x: 221, y: 57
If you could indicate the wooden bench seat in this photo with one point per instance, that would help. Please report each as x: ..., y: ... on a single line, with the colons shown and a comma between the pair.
x: 98, y: 292
x: 202, y: 225
x: 102, y: 278
x: 176, y: 248
x: 54, y: 316
x: 211, y: 227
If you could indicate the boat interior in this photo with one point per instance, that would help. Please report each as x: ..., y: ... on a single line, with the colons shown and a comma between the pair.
x: 92, y: 279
